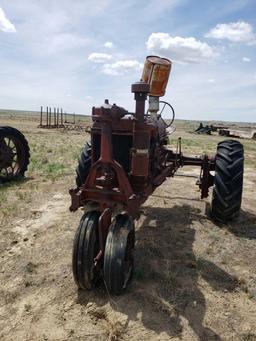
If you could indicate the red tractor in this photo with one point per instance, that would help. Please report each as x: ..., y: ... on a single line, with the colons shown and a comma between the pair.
x: 127, y: 158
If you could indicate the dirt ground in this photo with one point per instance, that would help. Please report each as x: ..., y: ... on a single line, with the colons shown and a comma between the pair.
x: 194, y: 280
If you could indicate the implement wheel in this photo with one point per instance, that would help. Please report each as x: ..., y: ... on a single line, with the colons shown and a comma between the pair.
x: 85, y: 249
x: 228, y: 181
x: 118, y: 258
x: 14, y: 154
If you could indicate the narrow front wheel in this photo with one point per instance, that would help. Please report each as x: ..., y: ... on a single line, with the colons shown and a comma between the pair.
x: 85, y: 249
x: 118, y: 258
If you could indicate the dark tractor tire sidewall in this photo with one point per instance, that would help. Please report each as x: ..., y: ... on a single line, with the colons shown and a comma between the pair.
x: 121, y: 229
x: 84, y: 249
x: 228, y: 181
x: 84, y: 165
x: 24, y: 150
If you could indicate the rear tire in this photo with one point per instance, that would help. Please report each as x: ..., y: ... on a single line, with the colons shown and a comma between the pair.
x: 84, y: 164
x: 228, y: 181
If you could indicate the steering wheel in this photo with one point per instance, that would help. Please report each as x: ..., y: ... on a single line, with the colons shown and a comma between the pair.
x: 162, y: 110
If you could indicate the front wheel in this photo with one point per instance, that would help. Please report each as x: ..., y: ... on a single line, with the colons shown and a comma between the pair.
x: 228, y: 181
x: 118, y: 258
x: 85, y: 249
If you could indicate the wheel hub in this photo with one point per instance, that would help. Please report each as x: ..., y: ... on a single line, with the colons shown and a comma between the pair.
x: 6, y: 156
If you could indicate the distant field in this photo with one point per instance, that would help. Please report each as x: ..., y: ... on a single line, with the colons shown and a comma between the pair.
x: 190, y: 125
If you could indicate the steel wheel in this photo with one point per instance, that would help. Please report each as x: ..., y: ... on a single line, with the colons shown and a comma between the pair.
x: 118, y: 258
x: 14, y: 154
x: 85, y: 249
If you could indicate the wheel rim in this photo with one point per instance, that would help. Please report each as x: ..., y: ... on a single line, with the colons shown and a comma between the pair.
x: 12, y: 158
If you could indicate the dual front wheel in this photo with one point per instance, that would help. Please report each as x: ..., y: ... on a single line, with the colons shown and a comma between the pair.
x: 117, y: 266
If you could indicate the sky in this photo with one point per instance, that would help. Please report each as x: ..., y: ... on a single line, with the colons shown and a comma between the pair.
x: 75, y: 53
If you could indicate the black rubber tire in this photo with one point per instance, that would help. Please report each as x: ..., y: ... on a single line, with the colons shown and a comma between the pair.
x: 228, y: 181
x: 22, y: 149
x: 85, y: 249
x: 84, y: 164
x: 118, y: 257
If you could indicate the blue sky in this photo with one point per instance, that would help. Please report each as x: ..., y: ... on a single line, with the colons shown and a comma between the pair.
x: 74, y: 54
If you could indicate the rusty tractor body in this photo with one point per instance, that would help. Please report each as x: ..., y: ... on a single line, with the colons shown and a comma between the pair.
x: 14, y: 154
x: 128, y: 158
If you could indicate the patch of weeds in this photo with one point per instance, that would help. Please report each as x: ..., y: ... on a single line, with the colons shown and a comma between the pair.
x: 71, y: 333
x: 44, y: 160
x: 27, y: 307
x: 24, y: 196
x: 35, y: 164
x: 115, y: 330
x: 225, y: 259
x: 171, y: 278
x: 28, y: 283
x: 10, y: 210
x: 242, y: 283
x: 214, y: 235
x: 20, y: 195
x: 55, y: 170
x: 252, y: 288
x: 31, y: 267
x: 3, y: 197
x: 32, y: 186
x: 98, y: 314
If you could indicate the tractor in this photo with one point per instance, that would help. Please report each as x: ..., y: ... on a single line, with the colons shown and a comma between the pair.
x: 126, y: 159
x: 14, y: 154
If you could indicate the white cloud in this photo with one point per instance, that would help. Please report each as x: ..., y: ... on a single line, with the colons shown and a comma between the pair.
x: 109, y: 44
x: 181, y: 49
x: 246, y: 60
x: 5, y: 24
x: 235, y: 31
x: 211, y: 80
x: 121, y: 67
x: 97, y: 57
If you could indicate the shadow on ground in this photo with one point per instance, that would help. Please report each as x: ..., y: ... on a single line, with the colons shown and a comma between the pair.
x: 14, y: 182
x: 244, y: 226
x: 165, y: 287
